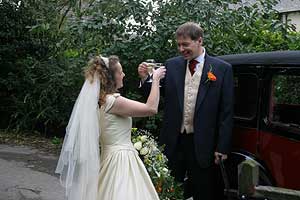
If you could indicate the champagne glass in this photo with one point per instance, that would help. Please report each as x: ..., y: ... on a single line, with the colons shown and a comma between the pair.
x: 151, y: 64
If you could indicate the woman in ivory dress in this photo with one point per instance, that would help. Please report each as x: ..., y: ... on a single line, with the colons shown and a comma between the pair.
x: 102, y: 116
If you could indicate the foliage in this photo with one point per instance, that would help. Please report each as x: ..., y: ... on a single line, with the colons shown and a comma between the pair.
x: 294, y: 38
x: 45, y: 45
x: 56, y: 141
x: 38, y: 93
x: 34, y: 74
x: 156, y: 164
x: 287, y: 89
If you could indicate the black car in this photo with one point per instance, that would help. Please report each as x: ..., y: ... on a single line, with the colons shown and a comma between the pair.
x: 267, y: 116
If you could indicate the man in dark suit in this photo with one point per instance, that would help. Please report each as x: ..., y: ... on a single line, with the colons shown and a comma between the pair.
x: 198, y: 111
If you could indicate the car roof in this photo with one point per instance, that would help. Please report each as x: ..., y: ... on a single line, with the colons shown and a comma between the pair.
x: 273, y: 58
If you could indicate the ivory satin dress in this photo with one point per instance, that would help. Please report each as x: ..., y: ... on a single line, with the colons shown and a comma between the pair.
x: 123, y: 175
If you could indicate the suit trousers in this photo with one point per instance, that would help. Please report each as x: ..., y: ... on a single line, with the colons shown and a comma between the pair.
x: 198, y: 181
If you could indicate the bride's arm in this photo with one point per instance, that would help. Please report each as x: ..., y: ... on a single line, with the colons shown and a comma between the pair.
x: 126, y: 107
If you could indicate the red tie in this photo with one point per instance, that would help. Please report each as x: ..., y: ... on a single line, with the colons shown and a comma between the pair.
x: 192, y: 66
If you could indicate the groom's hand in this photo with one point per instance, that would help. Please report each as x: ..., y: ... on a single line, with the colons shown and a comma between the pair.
x: 219, y: 156
x: 142, y: 71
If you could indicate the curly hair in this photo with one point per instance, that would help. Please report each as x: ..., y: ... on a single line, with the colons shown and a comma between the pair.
x: 106, y: 75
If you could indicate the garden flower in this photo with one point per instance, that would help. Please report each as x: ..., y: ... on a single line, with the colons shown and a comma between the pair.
x: 138, y: 145
x: 144, y: 138
x: 210, y: 75
x: 165, y: 170
x: 133, y: 130
x: 144, y: 151
x: 156, y: 164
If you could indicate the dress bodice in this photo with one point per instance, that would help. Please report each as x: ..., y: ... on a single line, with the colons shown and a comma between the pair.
x: 115, y: 129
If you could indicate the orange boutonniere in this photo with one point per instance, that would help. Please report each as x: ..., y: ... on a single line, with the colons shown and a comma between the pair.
x: 210, y: 75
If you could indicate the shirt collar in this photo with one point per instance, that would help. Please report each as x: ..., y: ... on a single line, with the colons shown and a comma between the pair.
x: 200, y: 58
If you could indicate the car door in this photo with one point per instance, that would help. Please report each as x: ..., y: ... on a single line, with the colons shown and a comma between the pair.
x: 279, y: 145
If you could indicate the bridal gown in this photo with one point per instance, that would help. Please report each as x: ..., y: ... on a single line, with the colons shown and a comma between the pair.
x: 123, y: 175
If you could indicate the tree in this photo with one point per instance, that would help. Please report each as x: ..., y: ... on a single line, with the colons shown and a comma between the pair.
x: 46, y: 44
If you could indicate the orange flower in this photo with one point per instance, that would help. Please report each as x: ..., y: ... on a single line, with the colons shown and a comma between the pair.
x: 158, y: 189
x: 172, y: 189
x: 211, y: 76
x: 159, y: 186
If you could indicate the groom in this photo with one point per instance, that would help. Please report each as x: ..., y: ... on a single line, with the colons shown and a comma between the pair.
x: 198, y: 111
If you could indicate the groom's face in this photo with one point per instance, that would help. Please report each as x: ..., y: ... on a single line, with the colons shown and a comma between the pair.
x: 189, y: 48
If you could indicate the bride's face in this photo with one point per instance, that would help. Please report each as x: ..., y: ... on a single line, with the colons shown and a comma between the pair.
x: 119, y: 75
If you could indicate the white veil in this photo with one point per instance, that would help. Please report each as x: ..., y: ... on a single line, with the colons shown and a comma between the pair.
x: 79, y: 161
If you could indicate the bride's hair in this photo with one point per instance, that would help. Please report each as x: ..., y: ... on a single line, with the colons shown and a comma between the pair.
x: 96, y: 66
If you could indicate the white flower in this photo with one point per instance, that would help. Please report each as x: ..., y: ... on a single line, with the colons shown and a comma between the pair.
x: 157, y: 173
x: 154, y: 148
x: 144, y: 151
x: 144, y: 138
x: 138, y: 145
x: 150, y: 150
x: 165, y: 170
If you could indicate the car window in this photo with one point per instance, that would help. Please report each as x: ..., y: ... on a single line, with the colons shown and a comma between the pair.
x: 246, y: 95
x: 285, y: 100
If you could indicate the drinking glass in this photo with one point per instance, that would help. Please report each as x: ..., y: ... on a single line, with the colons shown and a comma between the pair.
x: 151, y: 64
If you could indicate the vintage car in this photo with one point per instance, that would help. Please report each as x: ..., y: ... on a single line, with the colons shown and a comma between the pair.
x: 267, y: 116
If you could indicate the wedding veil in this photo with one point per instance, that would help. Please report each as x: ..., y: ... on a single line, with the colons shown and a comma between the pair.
x: 79, y: 161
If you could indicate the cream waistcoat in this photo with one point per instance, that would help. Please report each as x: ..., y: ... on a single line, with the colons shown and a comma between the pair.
x: 191, y: 87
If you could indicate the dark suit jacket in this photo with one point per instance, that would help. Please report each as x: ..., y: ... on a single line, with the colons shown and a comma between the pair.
x: 213, y: 110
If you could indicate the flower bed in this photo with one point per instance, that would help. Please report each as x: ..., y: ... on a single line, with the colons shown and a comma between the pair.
x: 156, y: 164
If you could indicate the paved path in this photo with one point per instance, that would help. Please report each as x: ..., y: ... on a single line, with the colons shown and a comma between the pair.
x: 28, y: 174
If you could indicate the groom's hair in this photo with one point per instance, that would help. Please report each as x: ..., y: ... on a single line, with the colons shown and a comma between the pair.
x: 191, y: 30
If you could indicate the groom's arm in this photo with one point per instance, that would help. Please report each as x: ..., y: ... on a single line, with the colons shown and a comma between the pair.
x: 225, y: 120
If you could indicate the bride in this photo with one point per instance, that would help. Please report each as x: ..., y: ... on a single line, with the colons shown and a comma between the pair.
x: 101, y: 116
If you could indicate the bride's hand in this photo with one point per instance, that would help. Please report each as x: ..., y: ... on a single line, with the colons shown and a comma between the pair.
x: 159, y: 73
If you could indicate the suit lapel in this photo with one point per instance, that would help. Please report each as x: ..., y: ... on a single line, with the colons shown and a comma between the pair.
x: 203, y: 88
x: 180, y: 78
